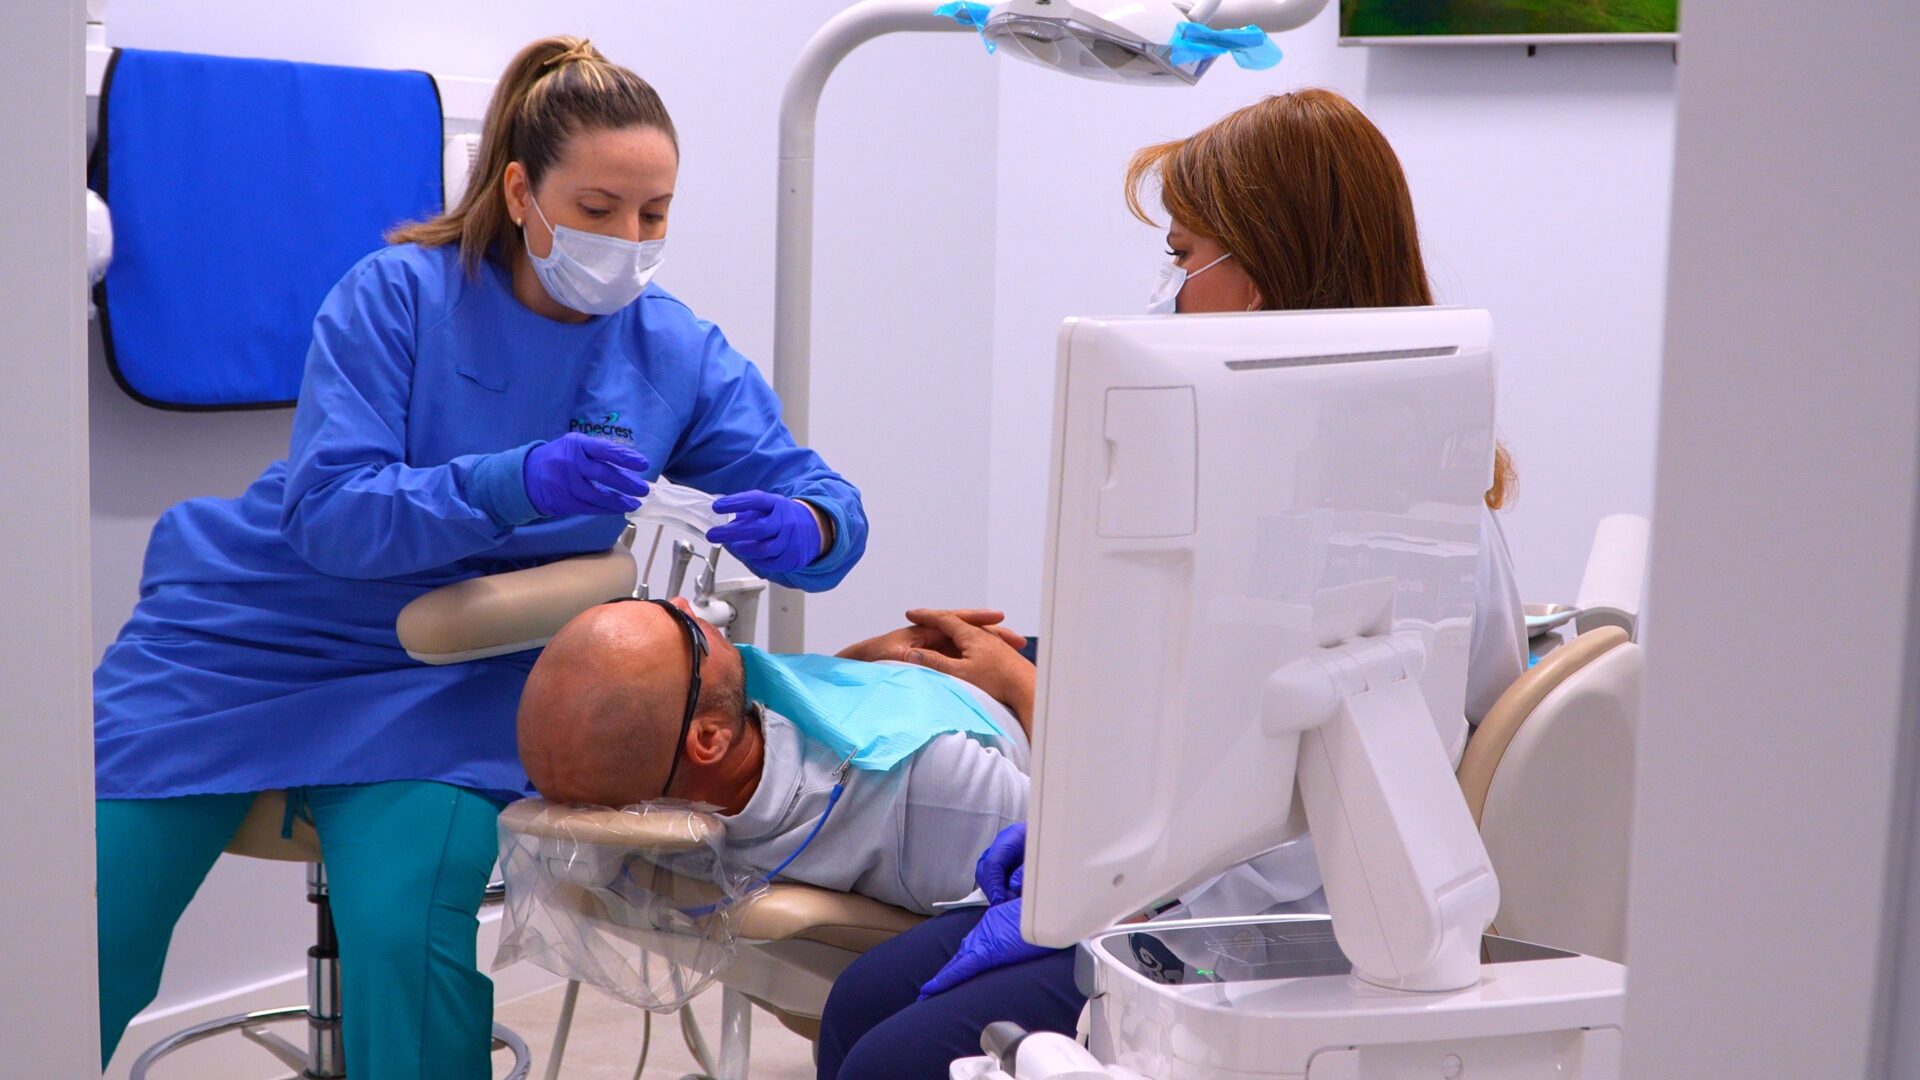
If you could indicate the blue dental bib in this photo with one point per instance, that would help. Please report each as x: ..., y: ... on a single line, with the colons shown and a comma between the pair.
x: 874, y: 715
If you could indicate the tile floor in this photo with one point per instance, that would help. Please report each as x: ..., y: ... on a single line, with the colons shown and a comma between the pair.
x: 605, y: 1044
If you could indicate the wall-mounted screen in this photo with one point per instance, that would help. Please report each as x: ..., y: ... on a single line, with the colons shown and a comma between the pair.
x: 1467, y: 22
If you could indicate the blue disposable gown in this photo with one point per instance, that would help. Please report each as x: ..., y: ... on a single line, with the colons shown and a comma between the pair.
x: 262, y: 651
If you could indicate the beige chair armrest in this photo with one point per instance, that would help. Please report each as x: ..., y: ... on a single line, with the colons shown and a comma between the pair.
x: 1502, y: 722
x: 843, y: 920
x: 512, y: 612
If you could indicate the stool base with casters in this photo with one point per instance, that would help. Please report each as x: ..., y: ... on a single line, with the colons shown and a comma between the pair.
x: 325, y: 1055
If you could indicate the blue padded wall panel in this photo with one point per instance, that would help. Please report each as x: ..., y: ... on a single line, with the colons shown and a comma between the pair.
x: 241, y: 191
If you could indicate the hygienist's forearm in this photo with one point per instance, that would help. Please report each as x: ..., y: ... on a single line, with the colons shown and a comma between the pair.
x: 847, y: 536
x: 825, y: 521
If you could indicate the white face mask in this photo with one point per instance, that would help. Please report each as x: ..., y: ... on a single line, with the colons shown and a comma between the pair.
x: 591, y: 273
x: 1166, y: 291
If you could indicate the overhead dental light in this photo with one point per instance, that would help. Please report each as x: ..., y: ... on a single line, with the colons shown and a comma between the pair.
x: 1114, y: 42
x: 1148, y: 42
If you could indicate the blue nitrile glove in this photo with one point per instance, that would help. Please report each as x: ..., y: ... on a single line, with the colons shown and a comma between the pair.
x: 994, y: 942
x: 581, y: 474
x: 998, y: 871
x: 771, y: 533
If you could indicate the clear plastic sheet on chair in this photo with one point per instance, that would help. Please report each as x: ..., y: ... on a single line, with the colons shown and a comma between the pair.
x: 641, y: 902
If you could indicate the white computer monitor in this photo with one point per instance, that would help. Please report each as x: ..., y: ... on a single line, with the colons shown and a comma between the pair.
x: 1230, y: 493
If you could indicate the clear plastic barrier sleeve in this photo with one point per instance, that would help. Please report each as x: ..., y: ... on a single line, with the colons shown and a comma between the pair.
x: 640, y: 901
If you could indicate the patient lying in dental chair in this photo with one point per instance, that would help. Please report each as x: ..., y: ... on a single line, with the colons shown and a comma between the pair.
x: 611, y: 716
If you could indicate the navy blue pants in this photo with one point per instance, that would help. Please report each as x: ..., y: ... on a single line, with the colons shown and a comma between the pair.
x: 874, y: 1030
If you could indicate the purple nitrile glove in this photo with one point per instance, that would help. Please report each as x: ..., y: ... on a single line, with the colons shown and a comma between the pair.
x: 581, y: 474
x: 771, y: 533
x: 993, y: 943
x: 1001, y: 859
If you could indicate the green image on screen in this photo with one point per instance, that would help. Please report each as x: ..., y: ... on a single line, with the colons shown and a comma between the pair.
x: 1444, y: 18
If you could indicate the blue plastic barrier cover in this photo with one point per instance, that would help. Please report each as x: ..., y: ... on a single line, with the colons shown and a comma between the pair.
x: 241, y: 191
x: 969, y: 14
x: 1250, y: 46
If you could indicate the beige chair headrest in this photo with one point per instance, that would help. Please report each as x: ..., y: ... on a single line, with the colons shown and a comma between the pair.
x: 784, y: 911
x: 658, y: 829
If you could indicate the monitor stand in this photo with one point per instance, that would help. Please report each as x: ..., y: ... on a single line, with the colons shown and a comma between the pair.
x: 1408, y: 881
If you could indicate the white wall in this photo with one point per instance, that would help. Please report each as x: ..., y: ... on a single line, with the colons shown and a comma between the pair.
x: 900, y: 322
x: 47, y: 1000
x: 1541, y: 187
x: 1780, y: 718
x: 1897, y: 1034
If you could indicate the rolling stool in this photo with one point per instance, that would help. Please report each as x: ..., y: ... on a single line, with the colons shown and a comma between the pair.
x: 325, y: 1058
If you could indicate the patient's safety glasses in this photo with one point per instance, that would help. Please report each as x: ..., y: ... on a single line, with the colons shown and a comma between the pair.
x: 697, y: 642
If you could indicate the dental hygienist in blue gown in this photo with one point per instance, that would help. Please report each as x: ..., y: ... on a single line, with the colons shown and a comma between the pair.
x: 491, y: 392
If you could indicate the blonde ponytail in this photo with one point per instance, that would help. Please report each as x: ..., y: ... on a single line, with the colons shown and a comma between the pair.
x: 554, y: 88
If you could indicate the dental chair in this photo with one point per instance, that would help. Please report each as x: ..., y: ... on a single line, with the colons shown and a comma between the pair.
x: 1548, y: 773
x: 794, y: 940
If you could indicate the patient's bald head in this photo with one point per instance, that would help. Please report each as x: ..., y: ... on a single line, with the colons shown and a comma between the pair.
x: 602, y: 709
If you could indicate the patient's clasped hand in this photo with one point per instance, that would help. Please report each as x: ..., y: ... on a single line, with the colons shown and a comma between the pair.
x: 605, y: 721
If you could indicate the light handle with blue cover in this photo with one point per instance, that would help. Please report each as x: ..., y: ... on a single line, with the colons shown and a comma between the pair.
x: 1249, y: 46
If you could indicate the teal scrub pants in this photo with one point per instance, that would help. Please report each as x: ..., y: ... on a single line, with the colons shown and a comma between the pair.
x: 406, y: 862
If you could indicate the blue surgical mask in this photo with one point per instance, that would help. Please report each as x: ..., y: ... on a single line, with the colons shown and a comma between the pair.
x: 595, y: 274
x: 1166, y: 291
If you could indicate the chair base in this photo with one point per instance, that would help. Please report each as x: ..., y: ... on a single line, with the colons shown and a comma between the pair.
x: 251, y: 1026
x: 325, y: 1055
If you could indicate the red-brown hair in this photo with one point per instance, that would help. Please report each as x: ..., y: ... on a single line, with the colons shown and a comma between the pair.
x: 1310, y: 199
